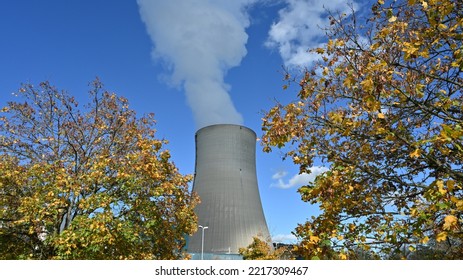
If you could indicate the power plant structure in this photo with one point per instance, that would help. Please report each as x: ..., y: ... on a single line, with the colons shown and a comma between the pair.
x: 230, y: 213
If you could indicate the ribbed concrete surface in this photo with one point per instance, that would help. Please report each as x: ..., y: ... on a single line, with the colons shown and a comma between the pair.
x: 226, y: 181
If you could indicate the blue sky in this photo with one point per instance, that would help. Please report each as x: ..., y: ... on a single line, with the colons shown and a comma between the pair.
x: 161, y: 55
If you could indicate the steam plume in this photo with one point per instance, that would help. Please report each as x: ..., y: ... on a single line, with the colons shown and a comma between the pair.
x: 200, y: 40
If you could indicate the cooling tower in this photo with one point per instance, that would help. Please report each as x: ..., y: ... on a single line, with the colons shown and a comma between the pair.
x: 226, y: 181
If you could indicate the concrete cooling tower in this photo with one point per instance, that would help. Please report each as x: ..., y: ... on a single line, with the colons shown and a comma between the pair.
x: 226, y: 181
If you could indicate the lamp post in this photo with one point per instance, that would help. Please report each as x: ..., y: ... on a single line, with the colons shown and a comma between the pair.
x: 202, y: 240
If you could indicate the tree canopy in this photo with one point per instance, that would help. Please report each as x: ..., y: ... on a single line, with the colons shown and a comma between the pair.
x: 383, y: 109
x: 87, y: 182
x: 260, y: 249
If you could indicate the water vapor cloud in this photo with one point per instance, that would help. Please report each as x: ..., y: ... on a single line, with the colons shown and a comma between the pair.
x: 200, y: 41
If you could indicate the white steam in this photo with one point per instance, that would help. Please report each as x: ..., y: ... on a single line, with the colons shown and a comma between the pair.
x: 200, y: 40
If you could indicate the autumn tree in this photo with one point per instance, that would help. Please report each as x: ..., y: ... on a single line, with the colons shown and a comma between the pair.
x: 88, y: 182
x: 383, y: 108
x: 261, y: 249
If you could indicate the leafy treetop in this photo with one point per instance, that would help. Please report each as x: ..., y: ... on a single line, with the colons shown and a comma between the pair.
x: 88, y: 183
x: 384, y: 109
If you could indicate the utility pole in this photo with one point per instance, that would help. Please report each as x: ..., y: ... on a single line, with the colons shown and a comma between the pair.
x: 202, y: 240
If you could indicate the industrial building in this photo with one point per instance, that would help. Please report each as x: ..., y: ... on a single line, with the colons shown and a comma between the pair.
x: 230, y: 212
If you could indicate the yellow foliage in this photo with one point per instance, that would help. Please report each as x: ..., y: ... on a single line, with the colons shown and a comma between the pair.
x: 425, y: 240
x: 367, y: 85
x: 441, y: 236
x: 93, y: 194
x: 320, y: 50
x: 416, y: 153
x: 395, y: 176
x: 314, y: 239
x: 325, y: 71
x: 261, y: 250
x: 450, y: 222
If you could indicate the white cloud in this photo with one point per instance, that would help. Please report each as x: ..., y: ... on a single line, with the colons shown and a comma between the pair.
x: 200, y: 41
x: 284, y: 238
x: 300, y: 28
x: 279, y: 175
x: 297, y: 180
